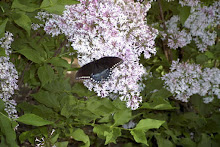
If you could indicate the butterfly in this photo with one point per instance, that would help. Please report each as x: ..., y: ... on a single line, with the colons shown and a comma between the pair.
x: 98, y: 70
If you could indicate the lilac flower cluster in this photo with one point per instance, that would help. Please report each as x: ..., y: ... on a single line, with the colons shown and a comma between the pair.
x: 99, y: 28
x: 36, y: 26
x: 176, y: 37
x: 186, y: 79
x: 198, y: 27
x: 191, y: 3
x: 8, y: 77
x: 200, y: 20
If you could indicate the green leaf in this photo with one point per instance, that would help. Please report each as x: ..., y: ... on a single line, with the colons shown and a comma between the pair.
x: 81, y: 90
x: 40, y: 110
x: 2, y: 106
x: 54, y: 138
x: 162, y: 93
x: 2, y: 52
x: 85, y: 116
x: 100, y: 106
x: 31, y: 135
x: 34, y: 120
x: 157, y: 107
x: 57, y: 61
x: 100, y: 129
x: 209, y: 54
x: 158, y: 104
x: 48, y: 3
x: 58, y: 86
x: 187, y: 142
x: 205, y: 141
x: 201, y: 59
x: 119, y: 104
x: 146, y: 124
x: 68, y: 2
x: 121, y: 117
x: 8, y: 136
x: 172, y: 134
x: 48, y: 99
x: 163, y: 142
x: 22, y: 20
x: 34, y: 44
x: 24, y: 6
x: 31, y: 54
x: 157, y: 101
x: 56, y: 6
x: 61, y: 144
x: 2, y: 27
x: 105, y: 118
x: 153, y: 83
x: 68, y: 103
x: 79, y: 135
x: 112, y: 135
x: 184, y: 13
x: 139, y: 136
x: 216, y: 140
x: 45, y: 74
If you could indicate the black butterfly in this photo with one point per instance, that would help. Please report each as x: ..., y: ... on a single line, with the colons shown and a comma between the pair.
x: 98, y: 70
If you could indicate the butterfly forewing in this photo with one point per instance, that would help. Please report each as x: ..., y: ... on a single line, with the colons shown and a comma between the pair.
x: 105, y: 63
x: 98, y: 70
x: 109, y: 62
x: 85, y: 71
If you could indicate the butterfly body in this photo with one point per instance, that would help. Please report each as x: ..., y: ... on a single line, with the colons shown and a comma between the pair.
x: 99, y: 70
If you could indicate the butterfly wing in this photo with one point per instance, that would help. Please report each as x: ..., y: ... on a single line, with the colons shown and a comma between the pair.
x: 85, y: 71
x: 101, y: 76
x: 98, y: 70
x: 103, y: 68
x: 106, y: 63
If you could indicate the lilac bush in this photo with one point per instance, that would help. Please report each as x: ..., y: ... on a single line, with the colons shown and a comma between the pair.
x: 8, y: 77
x: 99, y: 28
x: 51, y: 100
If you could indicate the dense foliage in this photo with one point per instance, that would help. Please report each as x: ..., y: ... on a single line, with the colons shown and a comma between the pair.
x: 166, y: 92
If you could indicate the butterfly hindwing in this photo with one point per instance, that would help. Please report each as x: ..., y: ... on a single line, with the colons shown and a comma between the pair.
x: 102, y: 76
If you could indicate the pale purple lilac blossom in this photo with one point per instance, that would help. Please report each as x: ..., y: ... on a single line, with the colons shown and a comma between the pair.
x: 175, y: 37
x: 201, y: 23
x: 198, y: 27
x: 8, y: 77
x: 129, y: 125
x: 140, y: 0
x: 185, y: 80
x: 36, y: 26
x: 100, y: 28
x: 191, y: 3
